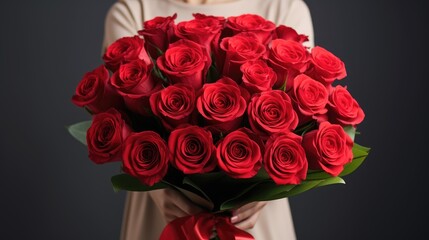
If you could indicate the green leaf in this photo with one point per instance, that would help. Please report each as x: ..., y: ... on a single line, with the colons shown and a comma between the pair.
x: 155, y: 70
x: 159, y: 74
x: 219, y: 187
x: 359, y: 155
x: 308, y: 185
x: 351, y: 131
x: 265, y: 190
x: 268, y: 190
x: 78, y: 130
x: 212, y: 74
x: 330, y: 181
x: 317, y: 175
x: 283, y: 87
x: 130, y: 183
x: 359, y: 150
x: 262, y: 191
x: 208, y: 186
x: 191, y: 183
x: 302, y: 187
x: 301, y: 130
x: 234, y: 202
x: 88, y: 110
x: 262, y: 175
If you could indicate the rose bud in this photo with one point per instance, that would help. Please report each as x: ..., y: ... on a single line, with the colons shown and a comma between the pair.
x: 284, y: 159
x: 288, y: 58
x: 238, y: 155
x: 326, y: 66
x: 328, y: 148
x: 185, y: 62
x: 174, y: 105
x: 105, y: 136
x: 146, y: 156
x: 192, y: 150
x: 343, y: 108
x: 94, y: 93
x: 257, y: 76
x: 222, y: 105
x: 124, y: 50
x: 271, y: 112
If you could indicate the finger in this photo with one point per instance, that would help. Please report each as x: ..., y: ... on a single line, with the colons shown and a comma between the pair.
x: 246, y: 212
x: 249, y: 206
x: 249, y: 223
x: 244, y: 208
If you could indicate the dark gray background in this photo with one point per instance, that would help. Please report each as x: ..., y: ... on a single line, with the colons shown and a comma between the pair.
x: 50, y: 190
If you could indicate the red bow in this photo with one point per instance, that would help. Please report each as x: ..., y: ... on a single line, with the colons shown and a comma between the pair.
x: 200, y: 227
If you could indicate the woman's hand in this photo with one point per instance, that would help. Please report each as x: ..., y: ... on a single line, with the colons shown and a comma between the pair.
x: 173, y: 204
x: 246, y: 216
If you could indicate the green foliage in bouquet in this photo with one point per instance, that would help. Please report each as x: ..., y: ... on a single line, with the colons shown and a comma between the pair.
x: 225, y: 193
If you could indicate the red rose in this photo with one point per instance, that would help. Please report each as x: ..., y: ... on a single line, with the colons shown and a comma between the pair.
x: 125, y: 50
x: 262, y: 27
x: 134, y: 83
x: 238, y: 155
x: 285, y: 159
x: 326, y: 66
x: 310, y: 98
x: 204, y: 30
x: 174, y: 105
x: 94, y: 93
x: 146, y: 156
x: 288, y: 58
x: 105, y: 136
x: 185, y: 62
x: 192, y: 149
x: 222, y: 104
x: 133, y: 78
x: 271, y: 112
x: 343, y: 108
x: 257, y: 76
x: 239, y: 49
x: 328, y: 148
x: 288, y: 33
x: 157, y: 34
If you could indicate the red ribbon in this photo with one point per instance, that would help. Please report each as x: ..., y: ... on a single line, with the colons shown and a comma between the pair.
x: 200, y: 227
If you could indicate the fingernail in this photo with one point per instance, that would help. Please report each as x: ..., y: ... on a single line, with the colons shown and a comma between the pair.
x: 234, y: 219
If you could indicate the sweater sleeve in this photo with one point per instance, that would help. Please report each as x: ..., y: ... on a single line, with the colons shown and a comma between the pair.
x: 121, y: 20
x: 299, y: 18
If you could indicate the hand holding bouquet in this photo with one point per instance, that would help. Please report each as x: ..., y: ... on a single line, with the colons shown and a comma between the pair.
x: 232, y: 110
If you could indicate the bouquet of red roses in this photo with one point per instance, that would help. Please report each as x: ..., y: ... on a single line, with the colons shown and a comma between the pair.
x: 233, y: 110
